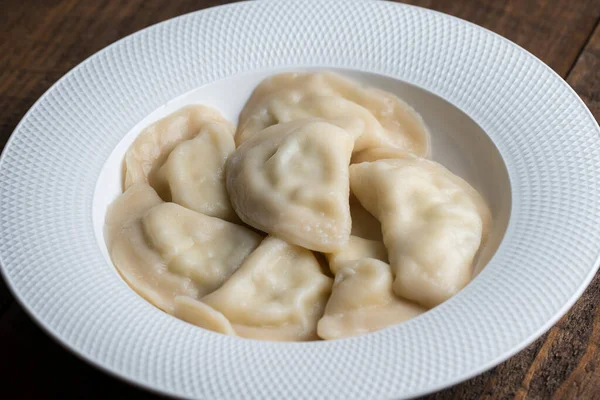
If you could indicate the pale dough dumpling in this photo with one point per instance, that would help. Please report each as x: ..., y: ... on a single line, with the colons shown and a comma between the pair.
x: 356, y: 249
x: 164, y: 250
x: 291, y: 180
x: 151, y: 148
x: 289, y: 106
x: 380, y: 153
x: 362, y: 301
x: 195, y: 172
x: 388, y: 121
x: 433, y: 224
x: 202, y: 315
x: 137, y: 261
x: 279, y: 293
x: 206, y: 249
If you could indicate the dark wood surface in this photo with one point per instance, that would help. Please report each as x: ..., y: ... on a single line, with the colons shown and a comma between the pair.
x: 41, y: 40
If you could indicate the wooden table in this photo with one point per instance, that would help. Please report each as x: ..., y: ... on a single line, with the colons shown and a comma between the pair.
x: 41, y: 40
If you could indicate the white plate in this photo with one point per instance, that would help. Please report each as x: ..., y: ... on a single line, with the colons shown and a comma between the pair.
x: 499, y: 117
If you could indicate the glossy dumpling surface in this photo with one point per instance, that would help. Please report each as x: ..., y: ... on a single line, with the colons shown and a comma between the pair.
x: 195, y: 171
x: 279, y: 293
x: 433, y: 224
x: 200, y: 314
x: 387, y: 120
x: 164, y: 250
x: 208, y: 250
x: 362, y: 301
x: 356, y: 249
x: 290, y: 106
x: 291, y: 180
x: 140, y: 264
x: 151, y: 148
x: 380, y: 153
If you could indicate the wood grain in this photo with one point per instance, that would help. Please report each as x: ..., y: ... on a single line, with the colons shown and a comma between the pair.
x: 41, y: 40
x: 585, y: 75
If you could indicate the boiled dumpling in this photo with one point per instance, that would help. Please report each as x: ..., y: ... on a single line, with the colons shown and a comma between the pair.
x: 202, y: 315
x: 195, y: 172
x: 288, y: 106
x: 279, y: 293
x: 433, y: 224
x: 380, y: 153
x: 388, y: 121
x: 151, y: 148
x: 356, y: 249
x: 291, y: 180
x: 164, y: 250
x: 206, y: 249
x: 362, y: 301
x: 138, y: 262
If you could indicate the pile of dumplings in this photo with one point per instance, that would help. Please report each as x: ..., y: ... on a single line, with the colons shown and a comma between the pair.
x: 320, y: 217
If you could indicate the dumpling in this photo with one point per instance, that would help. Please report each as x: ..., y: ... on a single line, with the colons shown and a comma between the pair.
x: 362, y: 301
x: 356, y: 249
x: 433, y: 224
x: 289, y: 106
x: 364, y: 224
x: 279, y: 293
x: 151, y: 148
x: 163, y: 250
x: 138, y: 262
x: 380, y: 153
x: 388, y: 121
x: 195, y: 172
x: 291, y: 180
x: 202, y: 315
x: 206, y: 249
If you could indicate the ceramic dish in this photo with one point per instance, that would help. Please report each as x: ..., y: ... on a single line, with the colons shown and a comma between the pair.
x: 499, y: 117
